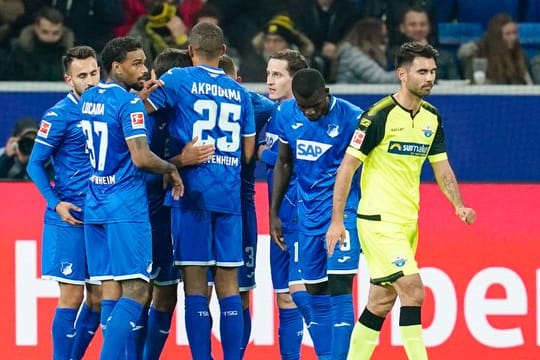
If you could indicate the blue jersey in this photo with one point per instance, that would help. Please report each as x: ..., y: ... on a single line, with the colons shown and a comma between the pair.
x: 288, y: 212
x: 61, y: 138
x: 110, y: 115
x: 262, y: 109
x: 216, y: 109
x: 158, y: 134
x: 318, y: 148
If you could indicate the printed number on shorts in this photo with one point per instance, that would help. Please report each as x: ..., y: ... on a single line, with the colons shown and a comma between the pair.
x: 295, y: 252
x: 346, y: 243
x: 251, y: 256
x: 220, y: 118
x: 102, y: 137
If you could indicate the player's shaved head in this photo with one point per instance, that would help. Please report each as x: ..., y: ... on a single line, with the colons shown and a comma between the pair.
x: 207, y: 40
x: 308, y: 82
x: 169, y: 58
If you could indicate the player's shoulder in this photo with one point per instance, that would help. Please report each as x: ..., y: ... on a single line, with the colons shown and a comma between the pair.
x: 429, y: 107
x: 345, y: 106
x: 381, y: 108
x: 286, y: 106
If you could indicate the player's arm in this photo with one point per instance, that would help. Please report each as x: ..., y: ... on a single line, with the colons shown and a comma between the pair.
x: 145, y: 159
x: 281, y: 178
x: 336, y: 232
x: 446, y: 179
x: 193, y: 154
x: 248, y: 148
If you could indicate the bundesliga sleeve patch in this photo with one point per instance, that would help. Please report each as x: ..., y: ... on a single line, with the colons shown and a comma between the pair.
x: 137, y: 120
x: 44, y: 129
x: 357, y: 139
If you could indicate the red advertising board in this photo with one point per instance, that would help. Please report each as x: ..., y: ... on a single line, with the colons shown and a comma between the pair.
x: 482, y: 281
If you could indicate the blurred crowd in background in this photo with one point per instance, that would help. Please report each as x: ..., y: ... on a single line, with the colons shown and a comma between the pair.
x: 349, y: 41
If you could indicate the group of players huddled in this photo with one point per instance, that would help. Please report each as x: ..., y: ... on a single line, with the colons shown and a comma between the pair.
x: 141, y: 160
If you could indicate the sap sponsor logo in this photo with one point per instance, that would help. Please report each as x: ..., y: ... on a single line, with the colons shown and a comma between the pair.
x: 399, y: 261
x: 271, y: 139
x: 428, y: 131
x: 310, y: 150
x: 44, y: 129
x: 404, y: 148
x: 137, y: 120
x: 333, y: 130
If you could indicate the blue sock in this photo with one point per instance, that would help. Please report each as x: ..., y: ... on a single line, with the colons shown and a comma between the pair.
x: 343, y: 321
x: 63, y: 332
x: 122, y: 322
x: 247, y: 331
x: 321, y: 325
x: 301, y: 299
x: 291, y: 327
x: 231, y: 324
x: 107, y: 306
x: 86, y: 326
x: 159, y: 324
x: 197, y: 317
x: 136, y: 338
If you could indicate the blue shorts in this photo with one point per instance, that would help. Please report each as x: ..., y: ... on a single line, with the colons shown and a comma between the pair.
x: 63, y: 254
x: 284, y: 265
x: 119, y: 251
x: 163, y: 270
x: 246, y: 273
x: 315, y: 263
x: 206, y: 238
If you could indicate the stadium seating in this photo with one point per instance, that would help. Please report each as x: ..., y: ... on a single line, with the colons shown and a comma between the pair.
x: 529, y: 37
x: 456, y: 33
x: 483, y: 10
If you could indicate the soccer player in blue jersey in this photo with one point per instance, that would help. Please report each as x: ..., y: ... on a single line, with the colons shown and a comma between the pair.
x: 291, y: 296
x: 207, y: 222
x: 63, y: 250
x: 117, y: 227
x: 165, y: 275
x: 262, y: 108
x: 314, y: 130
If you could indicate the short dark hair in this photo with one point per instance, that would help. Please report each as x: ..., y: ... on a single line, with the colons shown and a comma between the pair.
x: 50, y: 14
x: 413, y: 49
x: 169, y: 58
x: 415, y: 8
x: 295, y: 60
x: 77, y: 52
x: 117, y: 49
x: 227, y: 64
x: 307, y: 82
x: 207, y: 40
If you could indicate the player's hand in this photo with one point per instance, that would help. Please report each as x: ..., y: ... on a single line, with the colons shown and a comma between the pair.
x: 276, y: 232
x: 173, y: 178
x: 193, y: 154
x: 12, y: 146
x: 335, y: 235
x: 467, y: 215
x: 149, y: 86
x: 63, y: 209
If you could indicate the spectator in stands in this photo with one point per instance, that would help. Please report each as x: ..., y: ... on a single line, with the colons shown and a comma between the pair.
x: 14, y: 156
x: 188, y: 10
x: 362, y: 56
x: 506, y: 59
x: 325, y: 23
x: 133, y: 10
x: 92, y: 21
x: 415, y: 26
x: 535, y: 69
x: 162, y: 28
x: 392, y: 11
x: 10, y: 10
x: 210, y: 14
x: 34, y: 54
x: 279, y: 34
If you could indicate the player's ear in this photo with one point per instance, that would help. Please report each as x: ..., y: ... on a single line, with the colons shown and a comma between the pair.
x: 190, y: 51
x: 223, y: 49
x: 68, y: 79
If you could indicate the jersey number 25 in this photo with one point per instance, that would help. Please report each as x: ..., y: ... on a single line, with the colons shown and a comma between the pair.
x: 220, y: 118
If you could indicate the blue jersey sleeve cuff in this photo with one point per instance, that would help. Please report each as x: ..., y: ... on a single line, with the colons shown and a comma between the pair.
x: 269, y: 157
